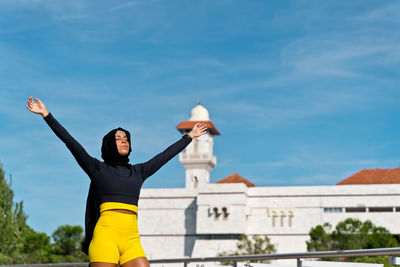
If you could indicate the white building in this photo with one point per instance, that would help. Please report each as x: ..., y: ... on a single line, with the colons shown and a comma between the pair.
x: 204, y: 219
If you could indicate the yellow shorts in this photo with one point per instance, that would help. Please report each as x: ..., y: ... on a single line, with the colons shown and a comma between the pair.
x: 115, y: 237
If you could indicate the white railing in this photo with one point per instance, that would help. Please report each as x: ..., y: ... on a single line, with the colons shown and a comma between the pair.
x: 391, y: 252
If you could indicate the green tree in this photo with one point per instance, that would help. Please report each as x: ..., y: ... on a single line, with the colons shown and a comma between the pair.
x: 320, y: 238
x: 351, y: 234
x: 36, y: 248
x: 251, y: 246
x: 20, y: 244
x: 12, y: 219
x: 67, y: 241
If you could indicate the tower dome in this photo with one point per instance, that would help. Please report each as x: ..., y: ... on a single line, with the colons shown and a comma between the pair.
x: 199, y: 113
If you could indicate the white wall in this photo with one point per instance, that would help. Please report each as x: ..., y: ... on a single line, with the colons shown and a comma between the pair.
x: 181, y: 222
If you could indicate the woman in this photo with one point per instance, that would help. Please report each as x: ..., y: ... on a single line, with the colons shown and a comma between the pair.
x: 111, y: 210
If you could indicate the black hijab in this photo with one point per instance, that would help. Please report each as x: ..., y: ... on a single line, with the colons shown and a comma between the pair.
x: 109, y: 151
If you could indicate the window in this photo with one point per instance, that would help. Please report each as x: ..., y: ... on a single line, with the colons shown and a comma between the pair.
x: 356, y: 209
x: 380, y: 209
x: 333, y: 210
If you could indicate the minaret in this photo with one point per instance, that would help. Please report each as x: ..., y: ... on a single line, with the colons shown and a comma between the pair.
x: 198, y: 158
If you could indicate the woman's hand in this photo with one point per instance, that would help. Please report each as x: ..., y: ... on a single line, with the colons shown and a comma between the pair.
x: 198, y: 130
x: 37, y: 107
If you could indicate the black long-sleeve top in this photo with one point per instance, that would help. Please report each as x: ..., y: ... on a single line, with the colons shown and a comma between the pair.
x: 112, y: 183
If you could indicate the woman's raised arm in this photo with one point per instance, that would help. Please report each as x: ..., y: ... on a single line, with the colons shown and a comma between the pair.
x: 84, y: 160
x: 154, y: 164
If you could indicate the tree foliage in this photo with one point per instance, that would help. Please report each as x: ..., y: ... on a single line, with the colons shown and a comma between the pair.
x: 21, y: 244
x: 67, y: 240
x: 12, y: 218
x: 251, y: 246
x: 351, y: 234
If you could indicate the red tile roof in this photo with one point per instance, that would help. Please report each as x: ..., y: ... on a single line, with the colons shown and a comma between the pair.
x: 234, y: 179
x: 187, y: 125
x: 374, y: 176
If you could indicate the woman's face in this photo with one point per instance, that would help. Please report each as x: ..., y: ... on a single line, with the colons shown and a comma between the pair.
x: 122, y: 143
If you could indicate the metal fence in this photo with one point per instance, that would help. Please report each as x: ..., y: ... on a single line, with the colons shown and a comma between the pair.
x: 391, y: 252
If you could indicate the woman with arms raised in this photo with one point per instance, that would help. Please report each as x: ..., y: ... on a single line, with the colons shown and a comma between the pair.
x: 111, y: 210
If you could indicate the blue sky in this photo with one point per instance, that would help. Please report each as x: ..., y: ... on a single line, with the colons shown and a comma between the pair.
x: 303, y: 92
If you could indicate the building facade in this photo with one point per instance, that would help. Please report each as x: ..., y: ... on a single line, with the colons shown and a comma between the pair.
x: 204, y: 219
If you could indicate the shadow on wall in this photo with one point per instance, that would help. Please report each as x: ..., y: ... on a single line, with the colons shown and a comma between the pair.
x: 190, y: 227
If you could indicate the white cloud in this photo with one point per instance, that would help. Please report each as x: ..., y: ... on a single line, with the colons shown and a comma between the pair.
x: 132, y: 3
x: 328, y: 162
x: 330, y: 55
x: 386, y: 13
